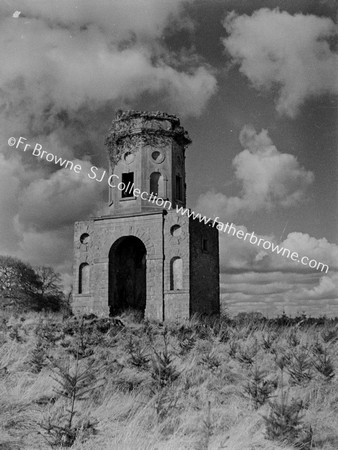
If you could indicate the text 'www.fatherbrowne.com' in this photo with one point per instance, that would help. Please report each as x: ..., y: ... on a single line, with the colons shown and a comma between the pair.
x: 254, y: 240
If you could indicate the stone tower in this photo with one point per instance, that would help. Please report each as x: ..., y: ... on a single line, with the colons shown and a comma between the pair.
x: 142, y: 253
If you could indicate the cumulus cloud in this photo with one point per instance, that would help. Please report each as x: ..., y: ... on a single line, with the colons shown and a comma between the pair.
x: 239, y: 256
x: 66, y: 66
x: 274, y: 48
x: 326, y: 288
x: 318, y: 249
x: 268, y: 179
x: 60, y: 200
x: 259, y: 280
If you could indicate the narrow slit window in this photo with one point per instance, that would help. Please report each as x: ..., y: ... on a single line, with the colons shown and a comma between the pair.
x: 205, y: 246
x: 179, y: 193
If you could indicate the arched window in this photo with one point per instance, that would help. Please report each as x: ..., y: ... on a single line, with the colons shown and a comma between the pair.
x: 84, y: 278
x: 157, y: 185
x: 176, y: 274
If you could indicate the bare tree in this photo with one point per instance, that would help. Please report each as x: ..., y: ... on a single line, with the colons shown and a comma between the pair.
x: 19, y: 283
x: 22, y: 285
x: 50, y: 281
x: 50, y: 291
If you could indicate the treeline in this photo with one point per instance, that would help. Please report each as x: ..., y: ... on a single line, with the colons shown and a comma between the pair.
x: 283, y: 320
x: 29, y: 288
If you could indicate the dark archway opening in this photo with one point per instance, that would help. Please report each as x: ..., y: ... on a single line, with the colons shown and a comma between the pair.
x: 127, y: 275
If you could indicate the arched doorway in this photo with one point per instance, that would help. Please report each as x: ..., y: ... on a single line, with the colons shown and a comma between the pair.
x: 127, y: 275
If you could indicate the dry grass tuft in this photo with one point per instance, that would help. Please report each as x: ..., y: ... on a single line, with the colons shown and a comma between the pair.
x: 130, y: 384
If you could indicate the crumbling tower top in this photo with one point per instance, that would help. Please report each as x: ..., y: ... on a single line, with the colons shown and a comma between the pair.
x: 131, y: 130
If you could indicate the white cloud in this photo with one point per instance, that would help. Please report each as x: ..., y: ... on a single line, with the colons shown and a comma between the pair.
x: 237, y: 255
x: 327, y: 288
x: 274, y: 48
x: 318, y: 249
x: 268, y: 179
x: 60, y: 200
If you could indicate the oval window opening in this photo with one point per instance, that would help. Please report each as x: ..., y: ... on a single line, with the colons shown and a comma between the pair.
x: 157, y: 156
x: 129, y: 157
x: 175, y: 230
x: 84, y: 239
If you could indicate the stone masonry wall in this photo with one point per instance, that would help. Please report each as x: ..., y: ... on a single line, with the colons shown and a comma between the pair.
x: 204, y: 269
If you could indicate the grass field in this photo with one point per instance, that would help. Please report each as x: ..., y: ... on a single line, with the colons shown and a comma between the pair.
x: 99, y: 384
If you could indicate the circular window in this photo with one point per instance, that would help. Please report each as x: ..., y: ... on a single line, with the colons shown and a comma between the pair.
x: 175, y: 230
x: 129, y: 157
x: 157, y: 156
x: 84, y: 239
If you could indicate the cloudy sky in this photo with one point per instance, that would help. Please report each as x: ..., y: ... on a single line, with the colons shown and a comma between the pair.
x: 254, y: 82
